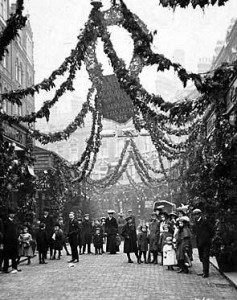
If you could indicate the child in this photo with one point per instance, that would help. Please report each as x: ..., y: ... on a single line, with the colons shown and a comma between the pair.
x: 184, y: 245
x: 25, y: 248
x: 142, y: 241
x: 57, y: 238
x: 169, y: 255
x: 164, y: 234
x: 98, y: 241
x: 64, y: 242
x: 42, y: 243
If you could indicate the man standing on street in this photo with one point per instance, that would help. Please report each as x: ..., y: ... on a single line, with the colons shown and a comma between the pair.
x: 10, y: 243
x: 111, y: 229
x: 72, y: 237
x: 48, y: 221
x: 204, y: 233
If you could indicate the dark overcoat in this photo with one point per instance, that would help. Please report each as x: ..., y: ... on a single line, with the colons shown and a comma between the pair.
x: 88, y: 231
x: 203, y: 232
x: 154, y: 235
x: 130, y: 238
x: 10, y: 239
x: 81, y: 235
x: 42, y: 240
x: 58, y: 242
x: 142, y: 241
x: 73, y: 232
x: 111, y: 229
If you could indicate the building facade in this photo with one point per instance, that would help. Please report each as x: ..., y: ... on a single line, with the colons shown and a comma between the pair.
x: 17, y: 72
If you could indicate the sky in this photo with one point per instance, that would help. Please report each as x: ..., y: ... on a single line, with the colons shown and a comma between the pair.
x: 56, y: 24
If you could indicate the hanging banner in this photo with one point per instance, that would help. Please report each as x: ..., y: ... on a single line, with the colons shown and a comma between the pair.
x: 116, y: 104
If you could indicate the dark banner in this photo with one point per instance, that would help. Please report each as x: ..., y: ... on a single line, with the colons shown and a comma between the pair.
x: 116, y: 104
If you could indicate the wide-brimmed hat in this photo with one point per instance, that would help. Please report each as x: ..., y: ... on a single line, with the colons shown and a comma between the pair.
x: 197, y: 211
x: 183, y: 208
x: 86, y: 215
x: 173, y: 214
x: 110, y: 211
x: 184, y: 219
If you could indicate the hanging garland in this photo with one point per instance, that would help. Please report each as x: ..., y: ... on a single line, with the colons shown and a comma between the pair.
x: 184, y: 3
x: 15, y: 23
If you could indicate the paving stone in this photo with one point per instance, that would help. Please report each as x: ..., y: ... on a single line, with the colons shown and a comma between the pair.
x: 110, y: 277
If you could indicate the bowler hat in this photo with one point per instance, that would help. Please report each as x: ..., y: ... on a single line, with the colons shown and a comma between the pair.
x: 128, y: 218
x: 11, y: 211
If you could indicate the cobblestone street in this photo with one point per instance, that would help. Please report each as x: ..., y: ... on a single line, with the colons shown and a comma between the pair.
x: 111, y: 277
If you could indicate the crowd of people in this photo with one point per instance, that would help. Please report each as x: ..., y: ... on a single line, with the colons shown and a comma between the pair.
x: 168, y: 236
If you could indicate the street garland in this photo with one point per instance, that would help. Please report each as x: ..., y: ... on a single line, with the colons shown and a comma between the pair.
x: 15, y: 23
x: 185, y: 3
x: 85, y: 38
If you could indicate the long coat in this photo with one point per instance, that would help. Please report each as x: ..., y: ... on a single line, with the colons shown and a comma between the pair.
x: 130, y: 238
x: 81, y: 235
x: 183, y: 243
x: 42, y: 240
x: 88, y: 231
x: 10, y: 239
x: 154, y: 228
x: 203, y: 232
x: 111, y: 229
x: 58, y: 240
x: 142, y: 241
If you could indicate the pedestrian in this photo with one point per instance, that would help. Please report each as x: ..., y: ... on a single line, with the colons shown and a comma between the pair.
x: 154, y: 233
x: 183, y: 244
x: 158, y: 211
x: 130, y: 239
x: 130, y: 214
x: 111, y: 230
x: 88, y: 232
x: 25, y: 246
x: 62, y: 227
x: 142, y: 242
x: 98, y: 240
x: 102, y: 222
x: 121, y: 223
x: 169, y: 254
x: 57, y: 240
x: 73, y: 237
x: 42, y: 243
x: 10, y: 243
x: 48, y: 221
x: 81, y: 236
x: 163, y: 235
x: 203, y: 232
x: 1, y: 243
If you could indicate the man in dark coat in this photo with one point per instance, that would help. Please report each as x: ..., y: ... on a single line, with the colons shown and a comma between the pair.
x: 73, y: 237
x: 48, y: 221
x: 130, y: 239
x: 111, y: 230
x: 10, y: 243
x: 204, y: 233
x: 88, y: 231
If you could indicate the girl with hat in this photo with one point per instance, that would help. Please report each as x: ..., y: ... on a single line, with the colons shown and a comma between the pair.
x: 183, y: 244
x: 57, y: 238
